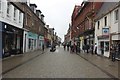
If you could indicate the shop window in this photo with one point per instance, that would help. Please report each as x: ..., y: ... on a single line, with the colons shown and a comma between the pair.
x: 18, y: 42
x: 29, y: 44
x: 35, y: 43
x: 106, y: 46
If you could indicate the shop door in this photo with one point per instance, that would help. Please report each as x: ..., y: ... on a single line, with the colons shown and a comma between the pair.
x: 102, y: 47
x: 85, y: 41
x: 25, y: 43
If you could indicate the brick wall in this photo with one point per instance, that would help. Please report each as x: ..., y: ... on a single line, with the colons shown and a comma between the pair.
x: 84, y: 19
x: 31, y: 21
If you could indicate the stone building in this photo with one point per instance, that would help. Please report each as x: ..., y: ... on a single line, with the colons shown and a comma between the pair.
x: 11, y: 23
x: 82, y: 30
x: 107, y: 30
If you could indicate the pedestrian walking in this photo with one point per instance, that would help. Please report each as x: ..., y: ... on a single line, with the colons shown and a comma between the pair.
x: 95, y: 48
x: 87, y: 48
x: 113, y: 52
x: 75, y: 47
x: 43, y: 47
x: 64, y: 46
x: 102, y: 50
x: 83, y: 48
x: 119, y: 50
x: 92, y: 48
x: 68, y: 46
x: 71, y: 47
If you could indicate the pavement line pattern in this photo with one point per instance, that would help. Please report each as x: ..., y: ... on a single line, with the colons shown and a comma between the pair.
x: 21, y: 64
x: 110, y: 75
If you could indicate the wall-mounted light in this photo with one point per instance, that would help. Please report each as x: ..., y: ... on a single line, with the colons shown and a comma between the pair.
x: 5, y: 26
x: 78, y: 28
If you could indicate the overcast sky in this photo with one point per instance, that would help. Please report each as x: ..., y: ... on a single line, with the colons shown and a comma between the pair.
x: 57, y: 13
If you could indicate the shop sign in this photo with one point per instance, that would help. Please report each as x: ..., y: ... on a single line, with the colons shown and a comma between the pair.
x: 41, y: 38
x: 105, y: 31
x: 91, y: 35
x: 81, y: 38
x: 76, y: 39
x: 32, y: 35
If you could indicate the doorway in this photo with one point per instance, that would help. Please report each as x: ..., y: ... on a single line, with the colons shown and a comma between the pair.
x: 102, y: 47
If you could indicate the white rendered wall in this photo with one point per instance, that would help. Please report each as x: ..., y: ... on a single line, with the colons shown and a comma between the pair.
x: 10, y: 20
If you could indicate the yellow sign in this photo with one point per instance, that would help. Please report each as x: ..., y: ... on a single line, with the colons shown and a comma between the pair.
x: 81, y: 38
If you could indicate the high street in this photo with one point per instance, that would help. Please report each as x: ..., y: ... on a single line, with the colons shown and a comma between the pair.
x: 62, y: 64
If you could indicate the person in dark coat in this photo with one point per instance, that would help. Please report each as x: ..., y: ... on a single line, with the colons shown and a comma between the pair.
x: 87, y: 48
x: 92, y: 48
x: 43, y: 47
x: 83, y: 48
x: 64, y: 46
x: 95, y: 48
x: 113, y: 52
x: 68, y: 46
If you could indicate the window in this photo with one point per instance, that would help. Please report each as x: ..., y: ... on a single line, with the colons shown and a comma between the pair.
x: 98, y: 24
x: 26, y: 19
x: 105, y: 19
x: 116, y: 15
x: 8, y: 9
x: 0, y: 5
x: 15, y: 11
x: 20, y: 16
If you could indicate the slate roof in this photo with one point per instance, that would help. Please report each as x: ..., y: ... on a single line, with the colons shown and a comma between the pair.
x: 105, y: 8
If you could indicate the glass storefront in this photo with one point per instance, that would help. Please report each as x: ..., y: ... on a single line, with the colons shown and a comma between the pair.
x: 103, y: 48
x: 32, y: 41
x: 117, y: 45
x: 12, y: 40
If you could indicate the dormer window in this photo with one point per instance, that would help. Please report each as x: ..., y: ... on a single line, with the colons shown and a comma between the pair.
x: 33, y: 7
x: 42, y: 17
x: 38, y: 12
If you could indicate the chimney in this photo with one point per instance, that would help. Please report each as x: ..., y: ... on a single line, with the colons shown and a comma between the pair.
x: 28, y: 2
x: 47, y: 26
x: 38, y: 12
x: 33, y: 7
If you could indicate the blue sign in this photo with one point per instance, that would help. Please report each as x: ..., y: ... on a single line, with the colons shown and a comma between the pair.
x: 105, y: 31
x: 32, y: 35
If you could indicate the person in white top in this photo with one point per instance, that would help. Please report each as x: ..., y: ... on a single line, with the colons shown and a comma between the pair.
x: 95, y: 48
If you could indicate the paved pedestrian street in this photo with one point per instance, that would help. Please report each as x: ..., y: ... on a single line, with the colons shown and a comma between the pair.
x: 61, y: 64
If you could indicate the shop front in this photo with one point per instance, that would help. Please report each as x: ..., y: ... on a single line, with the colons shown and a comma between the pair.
x: 40, y: 42
x: 0, y: 40
x: 116, y: 42
x: 47, y: 42
x: 81, y: 42
x: 32, y: 41
x: 103, y: 46
x: 104, y: 43
x: 12, y: 38
x: 89, y: 39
